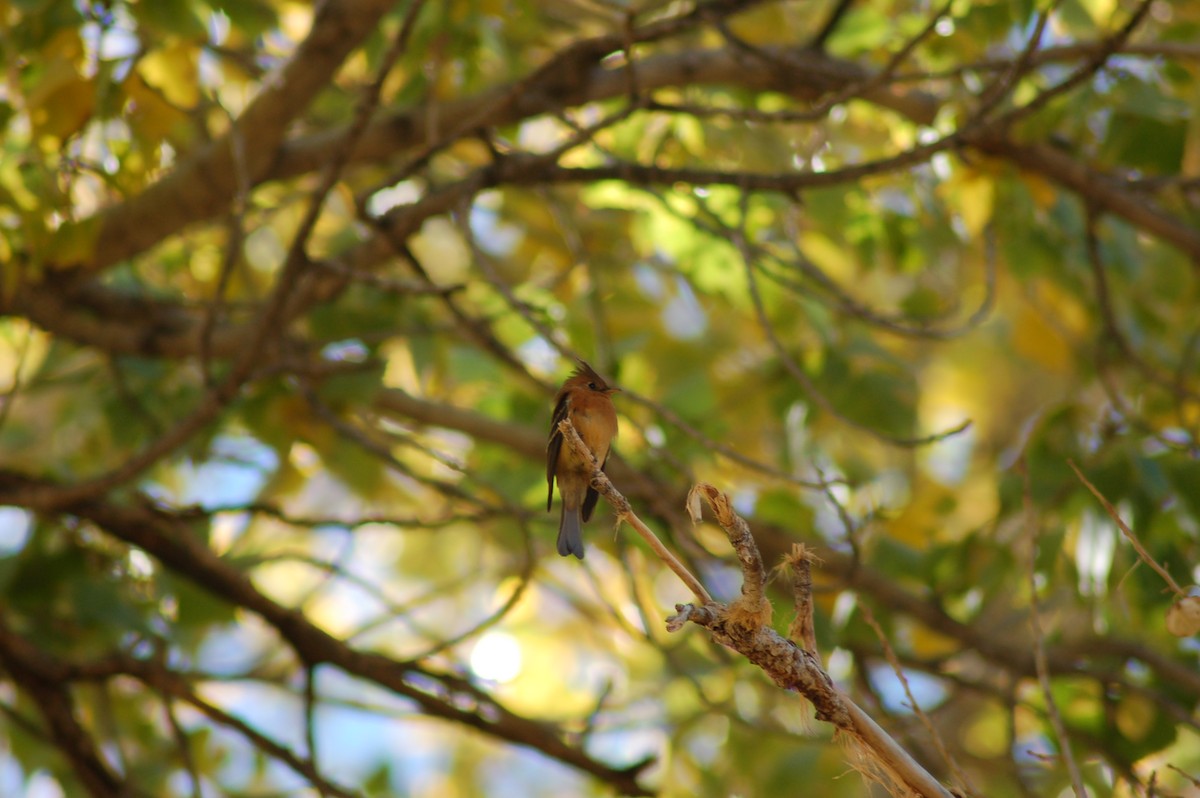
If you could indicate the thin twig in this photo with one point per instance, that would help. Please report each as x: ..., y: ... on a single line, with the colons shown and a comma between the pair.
x: 806, y: 383
x: 1039, y: 640
x: 744, y: 627
x: 802, y: 630
x: 890, y: 654
x: 601, y: 483
x: 1133, y: 539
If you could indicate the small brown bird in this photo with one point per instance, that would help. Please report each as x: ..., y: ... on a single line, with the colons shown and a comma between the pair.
x: 586, y: 399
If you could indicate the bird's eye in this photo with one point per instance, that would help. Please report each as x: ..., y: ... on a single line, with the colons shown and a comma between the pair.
x: 592, y: 385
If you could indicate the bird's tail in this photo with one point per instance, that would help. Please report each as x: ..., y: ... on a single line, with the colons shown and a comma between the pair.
x: 570, y: 535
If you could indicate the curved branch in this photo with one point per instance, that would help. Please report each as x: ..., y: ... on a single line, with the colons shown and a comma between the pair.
x: 28, y: 670
x: 204, y: 185
x: 168, y: 538
x: 776, y: 544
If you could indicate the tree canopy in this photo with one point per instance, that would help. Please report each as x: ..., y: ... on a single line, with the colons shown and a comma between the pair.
x: 287, y: 289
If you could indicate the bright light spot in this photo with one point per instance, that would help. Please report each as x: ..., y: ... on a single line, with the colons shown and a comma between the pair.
x: 42, y: 785
x: 140, y: 564
x: 649, y: 282
x: 218, y: 27
x: 683, y: 315
x: 948, y: 459
x: 304, y: 457
x: 841, y: 665
x: 540, y: 134
x: 496, y: 657
x: 14, y: 530
x: 655, y: 436
x: 1094, y: 551
x: 926, y: 690
x: 384, y: 200
x: 744, y: 501
x: 538, y: 354
x: 225, y: 529
x: 972, y: 600
x: 351, y: 350
x: 842, y: 607
x: 941, y: 165
x: 944, y: 27
x: 494, y: 235
x: 928, y: 135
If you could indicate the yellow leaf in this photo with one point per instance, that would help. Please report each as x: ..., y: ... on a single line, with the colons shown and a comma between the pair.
x: 12, y: 182
x: 927, y: 643
x: 924, y: 517
x: 65, y: 44
x: 61, y: 100
x: 1036, y: 340
x: 471, y: 151
x: 1040, y: 189
x: 831, y: 258
x: 769, y: 25
x: 1101, y: 11
x: 976, y: 198
x: 173, y: 71
x: 74, y: 243
x: 65, y: 110
x: 152, y: 117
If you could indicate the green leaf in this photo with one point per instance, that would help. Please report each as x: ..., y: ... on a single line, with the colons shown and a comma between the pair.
x: 171, y: 18
x: 864, y: 28
x: 252, y: 17
x: 1129, y: 134
x: 196, y: 610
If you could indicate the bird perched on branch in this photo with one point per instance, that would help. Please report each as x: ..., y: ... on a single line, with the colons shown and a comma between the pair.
x: 586, y: 399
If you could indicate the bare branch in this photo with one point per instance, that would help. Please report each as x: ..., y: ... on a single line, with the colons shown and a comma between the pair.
x: 743, y: 627
x: 604, y: 486
x: 1039, y: 639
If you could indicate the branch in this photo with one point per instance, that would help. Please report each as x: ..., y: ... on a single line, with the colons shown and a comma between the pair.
x: 742, y: 626
x: 1132, y: 538
x: 603, y: 484
x: 53, y: 701
x: 1107, y: 192
x: 850, y: 572
x: 1057, y: 725
x: 1183, y: 616
x: 169, y: 538
x: 204, y: 185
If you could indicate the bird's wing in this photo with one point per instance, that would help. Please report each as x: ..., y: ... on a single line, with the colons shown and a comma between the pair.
x: 554, y: 447
x: 591, y: 497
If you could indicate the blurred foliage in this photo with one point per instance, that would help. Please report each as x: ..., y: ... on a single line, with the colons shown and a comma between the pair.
x: 766, y: 341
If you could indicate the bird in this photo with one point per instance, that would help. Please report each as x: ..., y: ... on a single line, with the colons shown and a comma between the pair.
x: 586, y: 399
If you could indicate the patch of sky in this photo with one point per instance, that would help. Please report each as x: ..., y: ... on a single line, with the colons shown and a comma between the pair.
x: 683, y: 316
x: 539, y: 355
x: 235, y: 473
x: 649, y: 281
x: 350, y: 350
x: 947, y: 459
x: 495, y: 236
x: 926, y: 690
x: 1095, y: 547
x: 15, y: 526
x: 403, y: 193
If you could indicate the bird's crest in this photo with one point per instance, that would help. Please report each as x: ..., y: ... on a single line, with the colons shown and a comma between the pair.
x: 595, y: 381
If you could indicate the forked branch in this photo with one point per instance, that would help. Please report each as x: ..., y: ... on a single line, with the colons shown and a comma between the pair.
x: 744, y: 626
